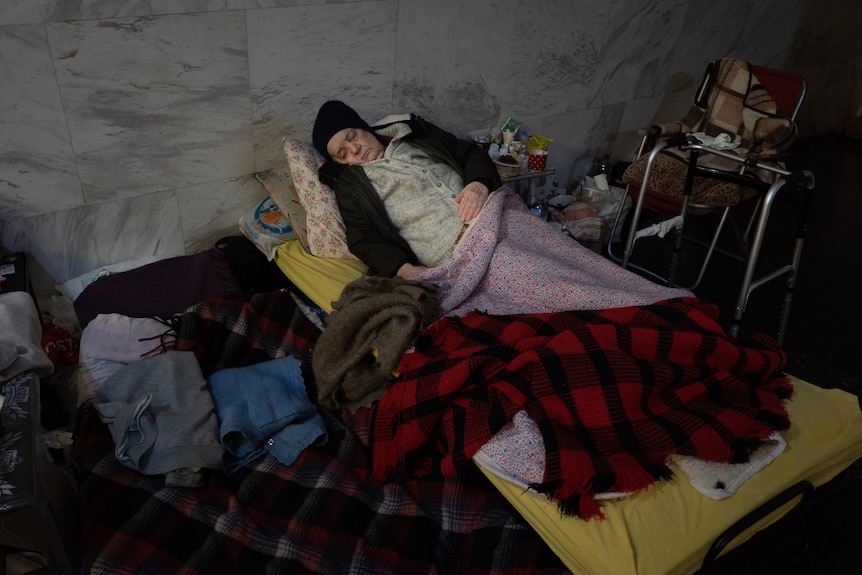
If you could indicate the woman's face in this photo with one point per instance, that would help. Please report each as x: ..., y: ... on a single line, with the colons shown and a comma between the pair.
x: 354, y: 146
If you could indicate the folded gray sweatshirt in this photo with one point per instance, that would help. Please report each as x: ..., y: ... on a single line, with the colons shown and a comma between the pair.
x: 161, y: 415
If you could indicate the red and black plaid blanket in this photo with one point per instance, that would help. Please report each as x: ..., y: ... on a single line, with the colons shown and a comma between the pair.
x: 324, y: 514
x: 614, y: 393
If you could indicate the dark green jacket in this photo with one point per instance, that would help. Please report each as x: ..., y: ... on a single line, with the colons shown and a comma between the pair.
x: 371, y: 235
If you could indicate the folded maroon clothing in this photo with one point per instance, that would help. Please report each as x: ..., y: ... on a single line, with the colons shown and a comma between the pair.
x: 160, y: 289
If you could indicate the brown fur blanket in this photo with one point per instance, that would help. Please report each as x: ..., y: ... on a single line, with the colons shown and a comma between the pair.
x: 371, y: 326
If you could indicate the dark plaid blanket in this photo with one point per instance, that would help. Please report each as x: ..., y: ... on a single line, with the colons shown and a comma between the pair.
x: 613, y: 392
x: 233, y: 332
x: 325, y: 514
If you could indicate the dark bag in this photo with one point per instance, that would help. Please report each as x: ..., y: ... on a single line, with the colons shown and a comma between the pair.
x: 253, y: 272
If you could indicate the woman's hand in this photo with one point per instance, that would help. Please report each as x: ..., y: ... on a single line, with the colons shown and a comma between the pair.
x: 471, y: 199
x: 409, y: 271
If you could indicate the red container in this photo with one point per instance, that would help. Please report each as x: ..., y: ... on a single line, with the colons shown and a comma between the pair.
x: 537, y: 160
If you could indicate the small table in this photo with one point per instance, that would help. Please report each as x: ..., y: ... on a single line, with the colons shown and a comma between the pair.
x: 531, y: 176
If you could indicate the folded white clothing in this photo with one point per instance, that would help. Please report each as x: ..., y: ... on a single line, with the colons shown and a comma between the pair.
x: 661, y: 228
x: 722, y: 141
x: 116, y: 337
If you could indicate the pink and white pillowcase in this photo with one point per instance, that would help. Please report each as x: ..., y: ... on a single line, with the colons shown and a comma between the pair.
x: 324, y: 225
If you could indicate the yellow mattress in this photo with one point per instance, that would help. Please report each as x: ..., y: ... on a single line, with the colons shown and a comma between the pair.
x: 668, y: 528
x: 321, y: 279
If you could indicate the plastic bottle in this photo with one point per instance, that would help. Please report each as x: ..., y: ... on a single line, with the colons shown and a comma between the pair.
x: 524, y: 157
x: 537, y: 204
x: 596, y: 168
x: 605, y: 165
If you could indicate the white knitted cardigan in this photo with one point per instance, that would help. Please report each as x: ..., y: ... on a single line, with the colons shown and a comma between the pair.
x: 419, y: 196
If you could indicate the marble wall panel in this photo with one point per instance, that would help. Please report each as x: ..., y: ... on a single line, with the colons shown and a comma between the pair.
x: 758, y: 32
x: 155, y: 103
x: 66, y: 244
x: 454, y: 61
x: 637, y: 114
x: 539, y: 59
x: 769, y: 30
x: 827, y: 51
x: 37, y: 168
x: 642, y: 38
x: 572, y: 157
x: 298, y: 61
x: 166, y: 6
x: 32, y: 11
x: 557, y: 55
x: 711, y: 31
x: 211, y: 211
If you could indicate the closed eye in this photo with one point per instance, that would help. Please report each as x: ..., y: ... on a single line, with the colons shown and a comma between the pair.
x: 342, y: 152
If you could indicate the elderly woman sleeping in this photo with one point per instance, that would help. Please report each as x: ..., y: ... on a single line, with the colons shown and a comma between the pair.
x: 419, y: 203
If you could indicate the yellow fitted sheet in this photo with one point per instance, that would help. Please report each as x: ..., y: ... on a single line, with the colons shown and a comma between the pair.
x: 668, y: 528
x: 321, y: 279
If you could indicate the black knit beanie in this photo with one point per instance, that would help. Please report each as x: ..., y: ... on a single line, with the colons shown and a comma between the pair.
x: 333, y: 117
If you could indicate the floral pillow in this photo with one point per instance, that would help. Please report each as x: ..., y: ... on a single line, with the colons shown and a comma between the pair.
x: 280, y: 188
x: 324, y: 225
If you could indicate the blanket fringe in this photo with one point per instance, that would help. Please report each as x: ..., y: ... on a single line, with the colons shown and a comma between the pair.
x: 579, y: 501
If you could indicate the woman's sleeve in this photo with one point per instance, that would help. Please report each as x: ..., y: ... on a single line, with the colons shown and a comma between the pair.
x: 478, y: 166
